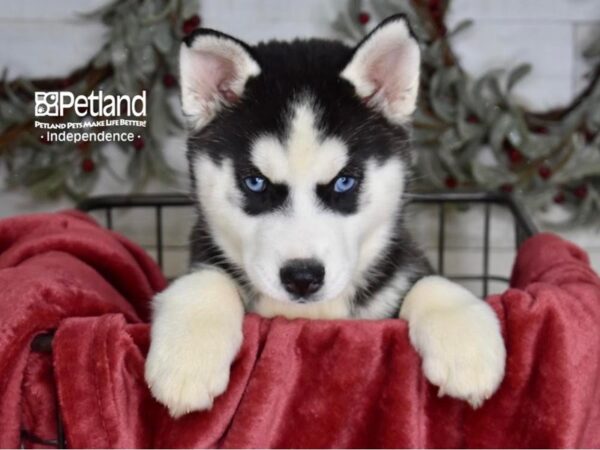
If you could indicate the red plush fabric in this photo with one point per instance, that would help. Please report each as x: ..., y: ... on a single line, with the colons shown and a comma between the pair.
x: 295, y: 383
x: 54, y: 267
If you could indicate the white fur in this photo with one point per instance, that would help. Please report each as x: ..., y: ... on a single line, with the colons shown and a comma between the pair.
x: 221, y: 202
x: 380, y: 205
x: 212, y: 69
x: 305, y: 158
x: 336, y: 308
x: 196, y: 333
x: 385, y: 70
x: 458, y: 337
x: 346, y: 245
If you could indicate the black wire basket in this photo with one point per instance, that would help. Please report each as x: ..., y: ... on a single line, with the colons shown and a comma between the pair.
x: 440, y: 207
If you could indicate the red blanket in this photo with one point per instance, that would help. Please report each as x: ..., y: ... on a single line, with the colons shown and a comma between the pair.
x: 295, y: 383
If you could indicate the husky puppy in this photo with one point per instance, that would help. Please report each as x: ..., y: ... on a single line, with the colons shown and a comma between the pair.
x: 299, y: 155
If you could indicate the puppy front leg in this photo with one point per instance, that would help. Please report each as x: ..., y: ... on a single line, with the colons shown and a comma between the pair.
x: 458, y: 337
x: 195, y: 336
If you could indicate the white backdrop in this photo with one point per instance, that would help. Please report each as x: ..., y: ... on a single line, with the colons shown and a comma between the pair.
x: 47, y: 38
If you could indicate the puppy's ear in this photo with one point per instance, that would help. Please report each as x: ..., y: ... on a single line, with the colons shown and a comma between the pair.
x: 384, y: 69
x: 214, y: 69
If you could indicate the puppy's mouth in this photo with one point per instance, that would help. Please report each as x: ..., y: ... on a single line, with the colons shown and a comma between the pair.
x: 328, y: 292
x: 280, y: 295
x: 305, y: 300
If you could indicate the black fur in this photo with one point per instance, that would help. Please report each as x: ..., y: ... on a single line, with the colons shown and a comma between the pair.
x: 402, y: 255
x: 289, y: 71
x: 272, y: 198
x: 344, y: 203
x: 293, y: 70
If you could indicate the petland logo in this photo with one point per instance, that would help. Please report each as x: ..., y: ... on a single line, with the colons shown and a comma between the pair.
x: 98, y: 117
x: 96, y: 104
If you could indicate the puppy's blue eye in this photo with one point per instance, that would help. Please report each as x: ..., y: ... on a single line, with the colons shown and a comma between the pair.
x: 344, y: 184
x: 255, y: 184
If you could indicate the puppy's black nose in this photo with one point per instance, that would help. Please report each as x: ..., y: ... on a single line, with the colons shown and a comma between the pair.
x: 302, y: 277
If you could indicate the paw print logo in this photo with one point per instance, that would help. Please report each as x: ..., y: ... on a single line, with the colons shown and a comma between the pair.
x: 46, y: 104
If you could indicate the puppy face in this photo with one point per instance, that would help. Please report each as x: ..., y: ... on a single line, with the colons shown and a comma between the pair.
x: 299, y: 154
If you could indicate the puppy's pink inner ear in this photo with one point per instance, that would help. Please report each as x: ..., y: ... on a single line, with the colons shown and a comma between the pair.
x: 384, y: 70
x: 387, y: 75
x: 367, y: 99
x: 214, y: 72
x: 228, y: 95
x: 220, y: 74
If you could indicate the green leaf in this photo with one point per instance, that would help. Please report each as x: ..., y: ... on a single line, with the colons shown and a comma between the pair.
x: 491, y: 176
x: 460, y: 27
x: 443, y: 109
x: 593, y: 50
x: 516, y: 75
x: 189, y: 8
x: 499, y: 131
x: 468, y: 131
x: 432, y: 173
x: 163, y: 39
x: 489, y: 84
x: 384, y: 9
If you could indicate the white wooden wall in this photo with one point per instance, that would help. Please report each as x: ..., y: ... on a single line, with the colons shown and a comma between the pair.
x: 47, y: 38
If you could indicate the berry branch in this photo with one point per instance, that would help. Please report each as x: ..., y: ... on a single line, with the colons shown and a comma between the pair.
x: 140, y: 53
x: 471, y: 133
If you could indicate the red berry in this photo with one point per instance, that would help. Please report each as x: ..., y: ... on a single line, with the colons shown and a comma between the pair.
x: 540, y: 129
x: 581, y: 191
x: 195, y: 20
x: 507, y: 187
x: 472, y: 118
x: 187, y: 29
x: 138, y: 143
x: 434, y: 5
x: 437, y: 14
x: 363, y: 18
x: 588, y: 135
x: 544, y: 172
x: 190, y: 24
x: 451, y: 182
x: 169, y: 80
x: 559, y: 198
x: 87, y: 165
x: 514, y: 155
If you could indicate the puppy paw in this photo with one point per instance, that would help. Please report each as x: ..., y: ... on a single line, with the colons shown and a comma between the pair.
x: 196, y: 334
x: 463, y: 352
x: 460, y: 342
x: 187, y: 376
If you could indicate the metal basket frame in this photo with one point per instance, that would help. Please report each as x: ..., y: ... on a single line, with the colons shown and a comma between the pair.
x: 524, y: 228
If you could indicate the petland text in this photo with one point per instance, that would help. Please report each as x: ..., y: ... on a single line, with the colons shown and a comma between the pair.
x: 96, y: 104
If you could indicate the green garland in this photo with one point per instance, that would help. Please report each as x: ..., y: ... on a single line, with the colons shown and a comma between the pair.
x: 471, y: 133
x: 140, y: 53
